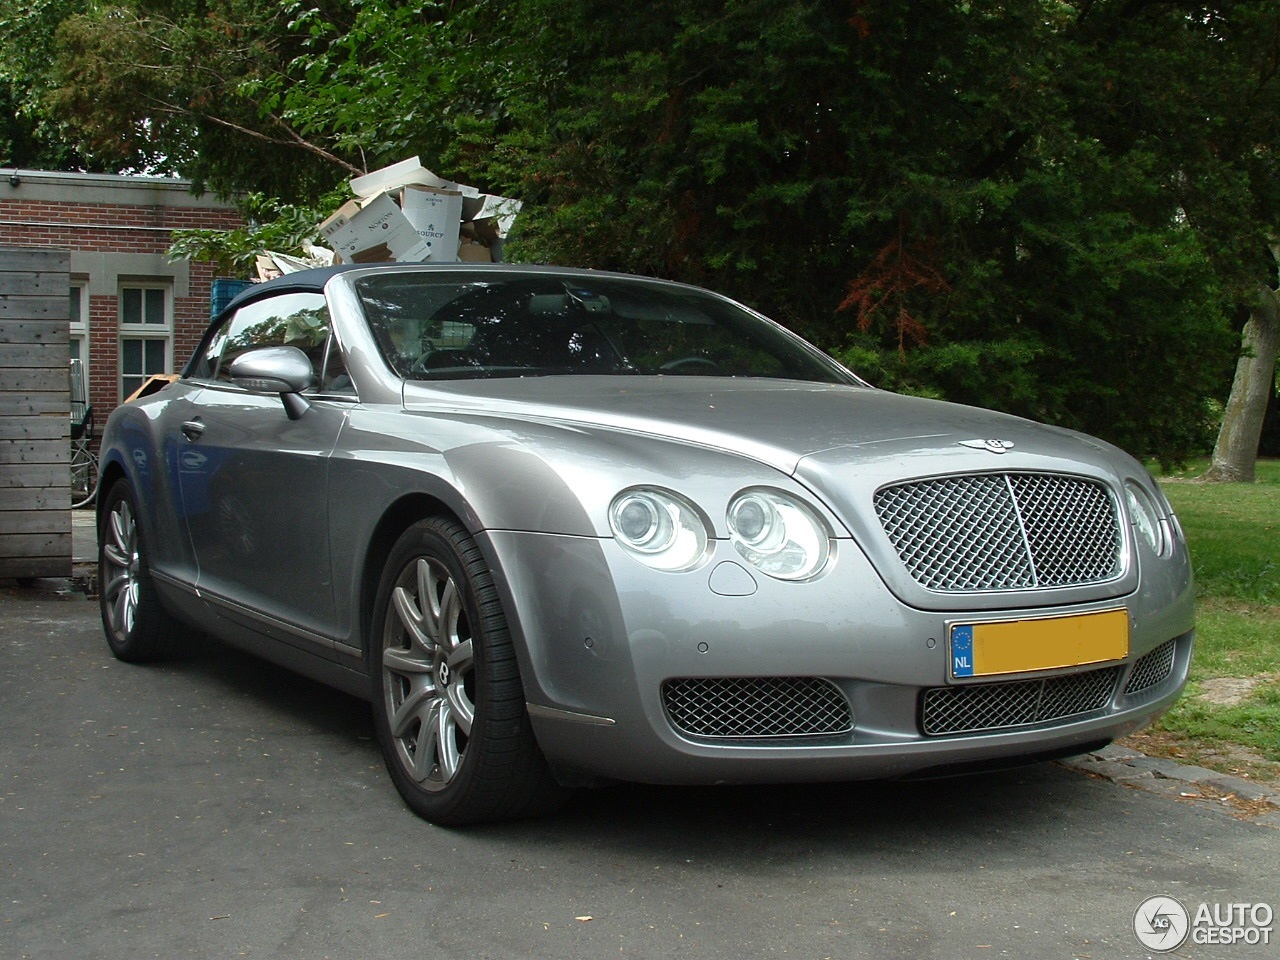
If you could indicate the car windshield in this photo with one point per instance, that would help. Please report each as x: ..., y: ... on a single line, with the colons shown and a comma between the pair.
x: 441, y: 326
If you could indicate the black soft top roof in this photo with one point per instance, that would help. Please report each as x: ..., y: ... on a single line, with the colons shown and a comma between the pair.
x: 313, y: 280
x: 302, y: 281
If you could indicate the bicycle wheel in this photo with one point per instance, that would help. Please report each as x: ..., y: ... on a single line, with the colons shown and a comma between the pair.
x: 84, y: 477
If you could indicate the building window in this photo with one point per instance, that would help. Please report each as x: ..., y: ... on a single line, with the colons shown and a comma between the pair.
x: 146, y: 329
x: 144, y: 306
x: 79, y: 333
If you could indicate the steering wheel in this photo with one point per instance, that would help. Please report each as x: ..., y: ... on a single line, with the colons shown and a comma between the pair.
x: 690, y: 365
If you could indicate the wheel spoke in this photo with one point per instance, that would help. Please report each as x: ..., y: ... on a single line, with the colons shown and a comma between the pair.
x: 422, y: 701
x: 461, y: 708
x: 461, y: 661
x: 123, y: 611
x: 450, y: 612
x: 448, y: 755
x: 411, y: 618
x: 424, y: 756
x: 427, y: 598
x: 115, y: 557
x: 118, y: 583
x: 122, y: 530
x: 404, y: 663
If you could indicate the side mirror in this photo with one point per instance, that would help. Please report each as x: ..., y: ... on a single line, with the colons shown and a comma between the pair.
x: 283, y: 370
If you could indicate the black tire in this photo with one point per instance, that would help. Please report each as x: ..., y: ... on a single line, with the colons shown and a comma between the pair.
x: 137, y: 627
x: 447, y: 699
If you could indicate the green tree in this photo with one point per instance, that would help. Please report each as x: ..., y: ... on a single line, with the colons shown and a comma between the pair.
x: 1203, y: 96
x: 1055, y: 208
x: 28, y: 140
x: 30, y: 135
x: 924, y: 188
x: 166, y: 86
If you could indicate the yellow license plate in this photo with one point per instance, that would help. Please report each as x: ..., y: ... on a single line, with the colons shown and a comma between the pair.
x: 1047, y: 643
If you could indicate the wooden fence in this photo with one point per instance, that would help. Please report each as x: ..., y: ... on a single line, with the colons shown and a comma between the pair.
x: 35, y: 491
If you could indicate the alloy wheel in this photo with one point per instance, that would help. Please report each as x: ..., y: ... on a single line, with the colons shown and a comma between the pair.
x: 429, y: 673
x: 121, y: 562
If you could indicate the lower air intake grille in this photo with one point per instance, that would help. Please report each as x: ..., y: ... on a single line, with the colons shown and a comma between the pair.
x: 1152, y: 668
x: 754, y: 707
x: 1015, y: 703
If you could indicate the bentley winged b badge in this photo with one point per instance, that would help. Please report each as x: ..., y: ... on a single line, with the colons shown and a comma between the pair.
x: 993, y: 446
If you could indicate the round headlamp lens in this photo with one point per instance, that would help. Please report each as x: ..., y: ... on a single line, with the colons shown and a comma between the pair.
x: 660, y: 528
x: 638, y: 521
x: 751, y: 518
x: 778, y: 534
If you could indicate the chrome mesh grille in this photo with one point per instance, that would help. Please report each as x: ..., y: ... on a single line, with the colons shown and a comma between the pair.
x: 1152, y: 668
x: 1003, y: 531
x: 736, y: 707
x: 1015, y: 703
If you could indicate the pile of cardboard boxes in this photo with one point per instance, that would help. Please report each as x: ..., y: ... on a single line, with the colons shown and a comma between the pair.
x: 406, y: 213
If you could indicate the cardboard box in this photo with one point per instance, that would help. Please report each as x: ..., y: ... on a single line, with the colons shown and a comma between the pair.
x: 470, y: 251
x: 376, y: 230
x: 501, y: 210
x: 436, y: 215
x: 389, y: 179
x: 411, y: 172
x: 405, y: 212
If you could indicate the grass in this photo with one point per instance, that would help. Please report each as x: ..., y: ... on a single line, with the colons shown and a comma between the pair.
x: 1229, y: 718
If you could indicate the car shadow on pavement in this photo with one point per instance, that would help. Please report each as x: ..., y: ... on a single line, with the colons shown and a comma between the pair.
x: 1024, y: 805
x: 303, y: 702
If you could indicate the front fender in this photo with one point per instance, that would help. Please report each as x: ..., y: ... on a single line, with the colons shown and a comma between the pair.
x: 138, y: 446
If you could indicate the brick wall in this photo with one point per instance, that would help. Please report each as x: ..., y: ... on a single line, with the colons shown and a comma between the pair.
x: 116, y: 227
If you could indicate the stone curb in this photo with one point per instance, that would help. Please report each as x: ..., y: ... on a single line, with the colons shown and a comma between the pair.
x: 1255, y: 802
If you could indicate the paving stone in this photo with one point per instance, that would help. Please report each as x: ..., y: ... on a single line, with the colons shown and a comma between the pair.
x: 1170, y: 769
x: 1189, y: 773
x: 1180, y: 781
x: 1244, y: 789
x: 1114, y: 751
x: 1177, y: 789
x: 1117, y: 771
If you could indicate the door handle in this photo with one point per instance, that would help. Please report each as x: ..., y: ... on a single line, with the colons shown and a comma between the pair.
x: 192, y: 429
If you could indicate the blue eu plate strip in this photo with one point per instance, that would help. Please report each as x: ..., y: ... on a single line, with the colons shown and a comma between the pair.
x: 962, y: 650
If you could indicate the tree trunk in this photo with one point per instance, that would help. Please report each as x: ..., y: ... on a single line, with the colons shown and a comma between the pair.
x: 1235, y: 455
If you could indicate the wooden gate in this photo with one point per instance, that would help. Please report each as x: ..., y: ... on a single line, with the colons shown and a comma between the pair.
x: 35, y: 425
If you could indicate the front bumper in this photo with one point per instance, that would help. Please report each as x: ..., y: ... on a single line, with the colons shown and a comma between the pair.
x: 721, y: 675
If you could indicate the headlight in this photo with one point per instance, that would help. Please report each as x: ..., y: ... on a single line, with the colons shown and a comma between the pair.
x: 777, y: 534
x: 658, y: 527
x: 1146, y: 517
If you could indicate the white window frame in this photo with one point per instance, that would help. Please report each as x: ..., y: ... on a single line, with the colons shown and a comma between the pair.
x: 78, y: 332
x: 143, y: 331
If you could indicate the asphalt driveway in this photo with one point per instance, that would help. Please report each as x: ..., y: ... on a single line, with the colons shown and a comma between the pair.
x: 219, y: 807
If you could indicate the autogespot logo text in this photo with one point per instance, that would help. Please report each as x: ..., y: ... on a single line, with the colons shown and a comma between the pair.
x: 1163, y: 923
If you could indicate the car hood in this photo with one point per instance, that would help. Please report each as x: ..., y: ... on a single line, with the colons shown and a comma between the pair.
x: 794, y: 427
x: 842, y: 443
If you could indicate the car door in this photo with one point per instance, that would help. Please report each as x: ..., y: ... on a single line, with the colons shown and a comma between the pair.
x: 255, y: 482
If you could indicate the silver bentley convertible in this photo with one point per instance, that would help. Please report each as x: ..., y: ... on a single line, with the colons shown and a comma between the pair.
x: 566, y: 527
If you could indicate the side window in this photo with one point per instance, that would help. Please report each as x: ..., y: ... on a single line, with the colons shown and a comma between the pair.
x: 294, y: 319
